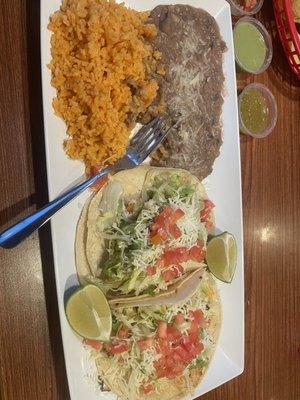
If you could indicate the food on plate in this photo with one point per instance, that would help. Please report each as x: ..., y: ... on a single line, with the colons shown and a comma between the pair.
x: 113, y: 66
x: 296, y: 10
x: 221, y: 256
x: 191, y: 45
x: 257, y: 111
x: 250, y: 45
x: 143, y: 232
x: 254, y: 110
x: 160, y: 352
x: 246, y: 5
x: 88, y: 313
x: 103, y: 63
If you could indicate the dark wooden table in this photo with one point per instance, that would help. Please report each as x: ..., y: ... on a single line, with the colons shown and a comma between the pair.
x: 31, y: 354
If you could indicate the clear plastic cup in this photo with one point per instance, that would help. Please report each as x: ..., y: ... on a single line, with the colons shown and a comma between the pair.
x: 239, y: 11
x: 272, y: 111
x: 268, y: 42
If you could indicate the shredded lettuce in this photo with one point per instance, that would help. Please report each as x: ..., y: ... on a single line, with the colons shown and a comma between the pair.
x: 129, y: 251
x: 165, y: 188
x: 200, y: 362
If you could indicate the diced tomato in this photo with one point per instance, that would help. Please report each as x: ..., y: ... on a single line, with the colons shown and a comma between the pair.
x: 159, y: 263
x: 175, y: 231
x: 160, y: 362
x: 95, y: 344
x: 146, y: 388
x: 159, y: 229
x: 174, y: 366
x: 163, y: 218
x: 194, y: 327
x: 193, y: 337
x: 177, y: 350
x: 161, y: 372
x: 196, y: 253
x: 151, y: 270
x: 204, y: 213
x: 156, y: 240
x: 249, y: 4
x: 178, y: 270
x: 158, y: 237
x: 192, y: 348
x: 177, y: 355
x: 177, y: 369
x: 173, y: 333
x: 209, y: 225
x: 118, y: 348
x: 160, y: 221
x: 154, y: 228
x: 170, y: 362
x: 175, y: 256
x: 145, y: 343
x: 123, y: 332
x: 185, y: 354
x: 172, y: 273
x: 179, y: 319
x: 163, y: 347
x: 168, y: 275
x: 176, y: 215
x: 181, y: 353
x: 199, y: 316
x: 174, y: 371
x: 164, y: 224
x: 199, y: 347
x: 163, y: 234
x: 187, y: 346
x: 208, y: 204
x: 167, y: 211
x: 162, y: 330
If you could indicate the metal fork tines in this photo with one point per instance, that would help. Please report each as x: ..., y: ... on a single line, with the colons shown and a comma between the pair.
x: 149, y: 138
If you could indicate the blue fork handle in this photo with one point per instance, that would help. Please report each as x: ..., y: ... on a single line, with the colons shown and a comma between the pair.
x: 12, y: 236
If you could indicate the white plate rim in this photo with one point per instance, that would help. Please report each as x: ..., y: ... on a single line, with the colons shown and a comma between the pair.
x: 57, y: 183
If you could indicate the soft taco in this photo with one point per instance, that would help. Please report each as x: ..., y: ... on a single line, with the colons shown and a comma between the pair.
x: 143, y: 233
x: 161, y: 352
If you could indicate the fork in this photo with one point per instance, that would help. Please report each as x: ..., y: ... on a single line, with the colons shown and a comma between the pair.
x: 143, y: 143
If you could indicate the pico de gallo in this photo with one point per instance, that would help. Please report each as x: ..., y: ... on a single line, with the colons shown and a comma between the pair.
x: 155, y: 342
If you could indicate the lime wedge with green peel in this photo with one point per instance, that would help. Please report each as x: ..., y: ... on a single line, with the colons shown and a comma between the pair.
x: 221, y: 255
x: 88, y: 313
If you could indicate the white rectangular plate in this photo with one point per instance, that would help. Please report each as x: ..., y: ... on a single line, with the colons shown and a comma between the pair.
x: 224, y: 188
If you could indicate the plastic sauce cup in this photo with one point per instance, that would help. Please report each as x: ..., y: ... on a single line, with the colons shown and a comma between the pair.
x: 239, y: 10
x: 257, y: 111
x: 252, y: 46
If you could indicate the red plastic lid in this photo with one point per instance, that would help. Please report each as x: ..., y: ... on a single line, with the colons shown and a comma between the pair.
x: 288, y: 33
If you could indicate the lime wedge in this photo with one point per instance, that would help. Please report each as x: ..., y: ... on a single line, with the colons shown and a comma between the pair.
x: 221, y: 256
x: 88, y: 313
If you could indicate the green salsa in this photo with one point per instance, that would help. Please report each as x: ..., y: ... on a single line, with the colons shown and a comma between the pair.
x: 254, y: 111
x: 250, y: 47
